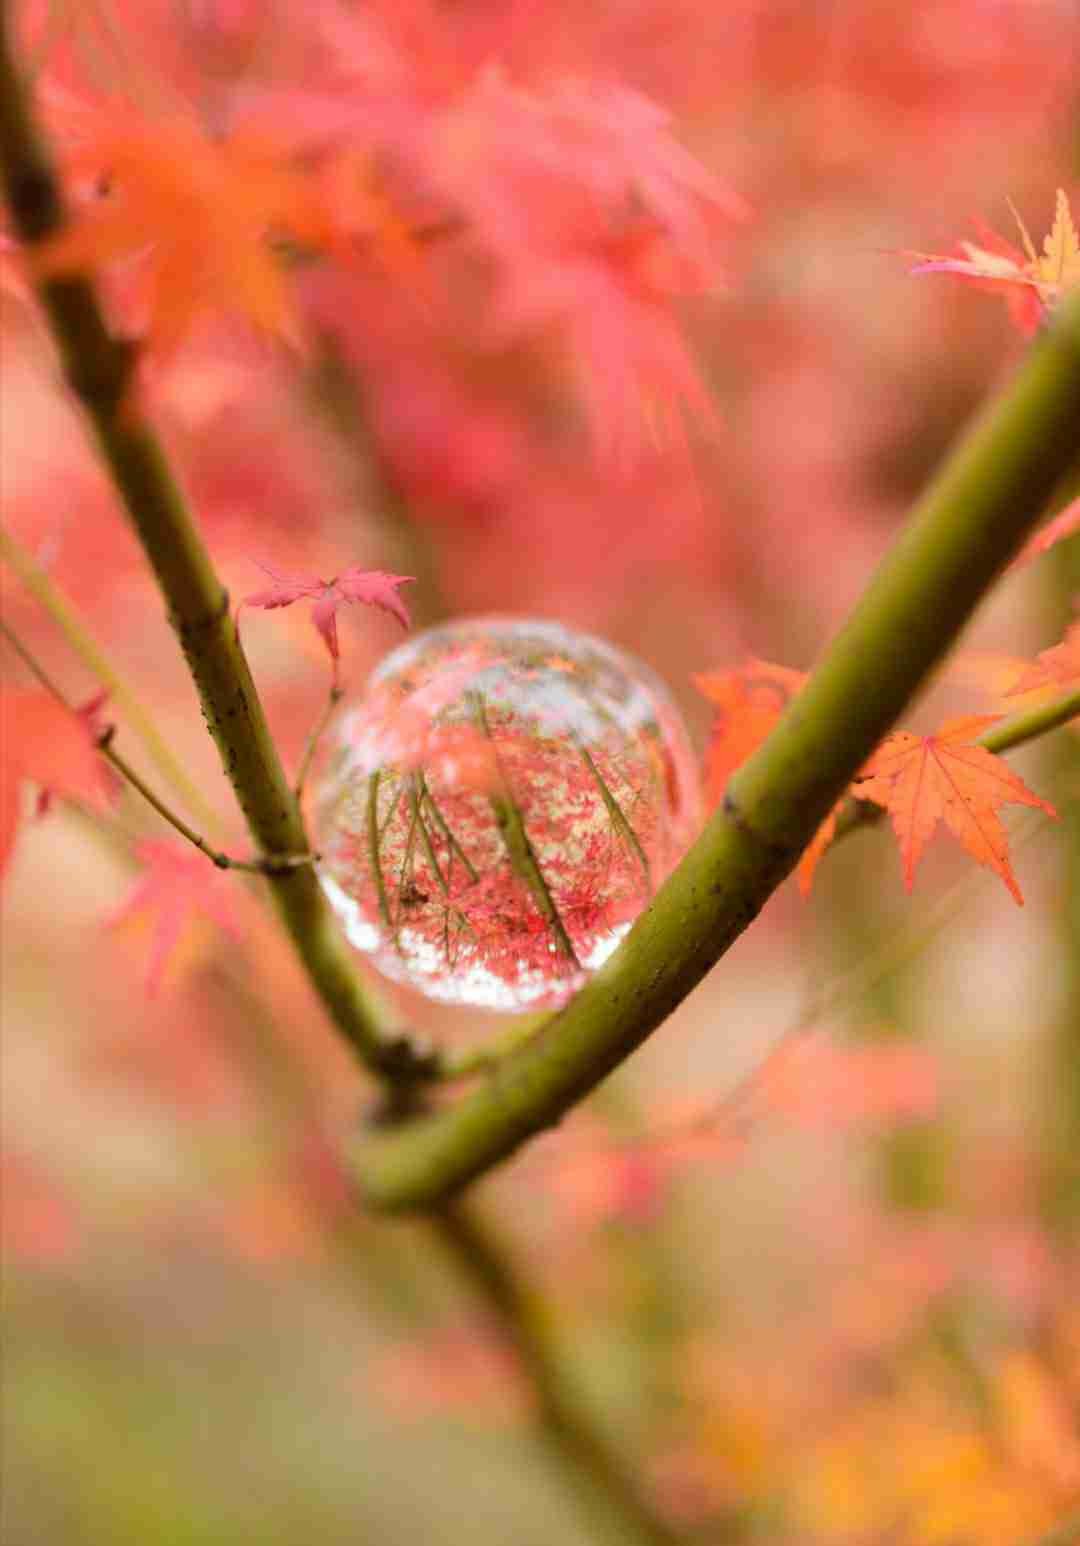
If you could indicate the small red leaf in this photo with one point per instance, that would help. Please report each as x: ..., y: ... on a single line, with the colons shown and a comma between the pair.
x: 373, y: 587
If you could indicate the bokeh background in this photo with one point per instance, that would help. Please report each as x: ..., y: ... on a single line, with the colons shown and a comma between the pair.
x: 811, y: 1256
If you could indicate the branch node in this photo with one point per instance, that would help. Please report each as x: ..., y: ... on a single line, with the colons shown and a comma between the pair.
x: 739, y: 822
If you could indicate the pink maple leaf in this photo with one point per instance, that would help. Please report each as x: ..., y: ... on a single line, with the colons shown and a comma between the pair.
x: 374, y: 587
x: 177, y: 886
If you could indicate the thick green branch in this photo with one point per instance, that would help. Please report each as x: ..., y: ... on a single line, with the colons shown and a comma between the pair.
x: 972, y: 519
x: 98, y: 370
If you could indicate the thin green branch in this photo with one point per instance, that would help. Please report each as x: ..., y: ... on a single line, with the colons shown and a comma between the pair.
x: 1032, y: 723
x: 607, y: 1486
x: 315, y: 735
x: 104, y: 743
x: 85, y: 647
x: 374, y: 838
x: 963, y: 532
x: 440, y: 821
x: 619, y: 821
x: 521, y: 854
x: 98, y: 369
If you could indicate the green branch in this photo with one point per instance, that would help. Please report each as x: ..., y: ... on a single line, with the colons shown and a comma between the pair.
x: 85, y: 647
x: 963, y: 532
x: 520, y: 851
x: 98, y: 369
x: 608, y: 1488
x: 120, y: 765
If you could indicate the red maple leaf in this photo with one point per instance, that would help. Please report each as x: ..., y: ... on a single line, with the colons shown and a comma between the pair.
x: 924, y: 779
x: 44, y: 742
x: 177, y: 886
x: 374, y: 587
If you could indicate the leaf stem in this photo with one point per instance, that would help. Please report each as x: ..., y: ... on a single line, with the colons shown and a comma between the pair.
x: 315, y: 735
x: 104, y: 743
x: 93, y: 657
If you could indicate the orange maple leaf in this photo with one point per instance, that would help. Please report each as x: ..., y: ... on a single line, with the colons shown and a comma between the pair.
x: 924, y: 779
x: 199, y: 214
x: 749, y: 700
x: 1058, y: 666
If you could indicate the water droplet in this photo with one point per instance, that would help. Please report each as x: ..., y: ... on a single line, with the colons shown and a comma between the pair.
x: 499, y: 807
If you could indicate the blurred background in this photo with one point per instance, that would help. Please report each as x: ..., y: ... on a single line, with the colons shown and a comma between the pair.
x: 601, y: 314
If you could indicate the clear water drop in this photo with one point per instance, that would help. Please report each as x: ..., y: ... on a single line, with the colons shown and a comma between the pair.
x: 499, y: 807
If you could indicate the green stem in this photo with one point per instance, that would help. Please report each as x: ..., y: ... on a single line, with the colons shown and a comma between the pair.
x: 405, y: 873
x: 98, y: 369
x: 618, y: 818
x: 104, y: 744
x: 608, y: 1487
x: 416, y: 816
x: 444, y: 827
x: 93, y: 657
x: 374, y: 838
x: 1034, y: 722
x: 315, y: 735
x: 963, y: 532
x: 521, y: 854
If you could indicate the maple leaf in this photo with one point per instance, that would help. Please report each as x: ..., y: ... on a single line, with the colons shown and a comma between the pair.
x: 52, y: 746
x: 198, y: 213
x: 749, y: 700
x: 1034, y: 282
x: 177, y: 886
x: 1065, y: 524
x: 812, y: 853
x: 921, y: 780
x: 374, y: 587
x: 1058, y: 666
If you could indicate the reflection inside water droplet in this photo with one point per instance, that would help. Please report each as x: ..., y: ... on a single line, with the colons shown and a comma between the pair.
x: 499, y: 807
